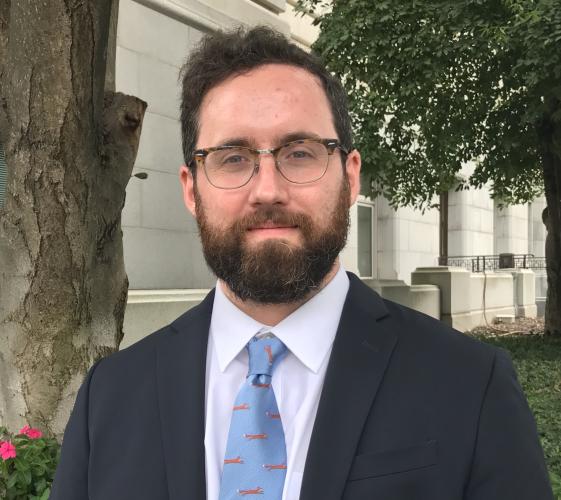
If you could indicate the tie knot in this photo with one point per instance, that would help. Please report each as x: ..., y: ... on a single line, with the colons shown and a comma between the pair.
x: 264, y: 355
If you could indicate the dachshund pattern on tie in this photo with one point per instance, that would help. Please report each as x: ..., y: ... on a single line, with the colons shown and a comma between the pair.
x: 255, y: 461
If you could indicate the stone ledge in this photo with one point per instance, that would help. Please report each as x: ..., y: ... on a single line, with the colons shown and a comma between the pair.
x: 207, y: 18
x: 156, y: 296
x: 276, y: 6
x: 150, y: 310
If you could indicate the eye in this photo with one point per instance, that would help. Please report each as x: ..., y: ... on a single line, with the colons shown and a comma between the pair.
x: 299, y: 154
x: 234, y: 159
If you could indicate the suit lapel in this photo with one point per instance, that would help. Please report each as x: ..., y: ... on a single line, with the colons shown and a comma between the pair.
x: 181, y: 373
x: 361, y: 351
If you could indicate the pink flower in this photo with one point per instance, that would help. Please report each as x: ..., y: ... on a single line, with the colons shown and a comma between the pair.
x: 30, y: 432
x: 7, y: 450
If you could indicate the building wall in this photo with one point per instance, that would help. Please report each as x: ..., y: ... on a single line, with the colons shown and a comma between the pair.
x: 159, y: 236
x: 470, y: 219
x: 470, y: 223
x: 406, y: 239
x: 511, y: 229
x: 301, y: 29
x: 536, y: 228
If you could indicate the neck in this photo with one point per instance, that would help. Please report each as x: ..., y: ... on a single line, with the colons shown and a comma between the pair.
x: 273, y: 314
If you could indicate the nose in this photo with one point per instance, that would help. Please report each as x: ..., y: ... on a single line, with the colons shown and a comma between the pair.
x: 268, y: 187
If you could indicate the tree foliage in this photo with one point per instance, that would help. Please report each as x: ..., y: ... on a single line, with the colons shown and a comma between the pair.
x: 436, y: 84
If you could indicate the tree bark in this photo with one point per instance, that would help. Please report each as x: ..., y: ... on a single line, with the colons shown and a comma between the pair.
x: 443, y: 229
x: 70, y: 149
x: 549, y: 133
x: 112, y: 47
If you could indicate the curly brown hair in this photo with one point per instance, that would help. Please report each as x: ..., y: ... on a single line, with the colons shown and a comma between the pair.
x: 223, y: 54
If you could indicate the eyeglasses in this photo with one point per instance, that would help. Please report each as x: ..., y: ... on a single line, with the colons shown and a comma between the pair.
x: 301, y: 162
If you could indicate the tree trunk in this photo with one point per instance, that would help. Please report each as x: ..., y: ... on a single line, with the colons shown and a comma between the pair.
x: 443, y: 229
x: 550, y: 145
x: 70, y: 149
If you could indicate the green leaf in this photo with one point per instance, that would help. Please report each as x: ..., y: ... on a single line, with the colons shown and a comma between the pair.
x: 40, y: 485
x: 21, y: 465
x: 12, y: 479
x: 39, y: 470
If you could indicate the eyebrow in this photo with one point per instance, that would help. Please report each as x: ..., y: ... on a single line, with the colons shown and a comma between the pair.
x: 277, y: 141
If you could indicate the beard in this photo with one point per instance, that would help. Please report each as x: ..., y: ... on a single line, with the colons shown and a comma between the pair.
x: 275, y: 271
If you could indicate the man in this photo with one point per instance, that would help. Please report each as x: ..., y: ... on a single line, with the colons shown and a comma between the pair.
x: 292, y: 379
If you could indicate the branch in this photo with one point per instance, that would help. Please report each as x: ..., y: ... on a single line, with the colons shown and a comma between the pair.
x: 122, y: 124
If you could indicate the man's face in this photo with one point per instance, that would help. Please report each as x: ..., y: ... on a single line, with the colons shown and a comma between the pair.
x: 271, y: 241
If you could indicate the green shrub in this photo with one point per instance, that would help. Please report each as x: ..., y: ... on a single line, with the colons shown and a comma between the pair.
x: 556, y: 483
x: 27, y: 464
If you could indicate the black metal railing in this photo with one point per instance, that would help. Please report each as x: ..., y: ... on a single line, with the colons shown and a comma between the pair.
x: 481, y: 263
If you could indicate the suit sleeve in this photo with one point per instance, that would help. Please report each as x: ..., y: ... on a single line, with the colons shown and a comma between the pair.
x: 508, y: 461
x: 71, y: 477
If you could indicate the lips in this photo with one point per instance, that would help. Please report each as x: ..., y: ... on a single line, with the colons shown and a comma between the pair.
x: 271, y: 226
x: 272, y: 220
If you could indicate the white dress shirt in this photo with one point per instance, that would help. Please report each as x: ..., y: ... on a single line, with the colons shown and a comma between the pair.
x: 297, y: 381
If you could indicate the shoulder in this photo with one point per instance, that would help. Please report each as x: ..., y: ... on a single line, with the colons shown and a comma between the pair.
x: 421, y: 337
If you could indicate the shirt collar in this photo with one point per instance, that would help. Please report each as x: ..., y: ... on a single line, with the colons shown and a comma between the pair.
x: 308, y: 332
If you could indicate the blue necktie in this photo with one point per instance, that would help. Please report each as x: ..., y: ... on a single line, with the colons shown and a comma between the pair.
x: 255, y: 461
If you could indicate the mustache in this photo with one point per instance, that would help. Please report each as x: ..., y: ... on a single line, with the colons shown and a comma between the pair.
x: 272, y: 215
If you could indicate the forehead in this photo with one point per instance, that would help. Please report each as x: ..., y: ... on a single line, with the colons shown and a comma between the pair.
x: 266, y: 102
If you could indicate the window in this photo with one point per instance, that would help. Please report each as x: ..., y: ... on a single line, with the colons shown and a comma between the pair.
x: 2, y: 176
x: 365, y: 241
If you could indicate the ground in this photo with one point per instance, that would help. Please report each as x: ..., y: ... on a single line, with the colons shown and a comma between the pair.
x: 522, y: 326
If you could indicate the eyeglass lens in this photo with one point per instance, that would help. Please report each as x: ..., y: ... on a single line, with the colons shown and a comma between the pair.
x: 298, y: 162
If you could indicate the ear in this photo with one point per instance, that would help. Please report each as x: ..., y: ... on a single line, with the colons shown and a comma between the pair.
x: 188, y: 186
x: 353, y: 174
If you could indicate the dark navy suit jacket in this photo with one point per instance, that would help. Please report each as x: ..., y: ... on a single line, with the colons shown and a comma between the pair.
x: 410, y: 410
